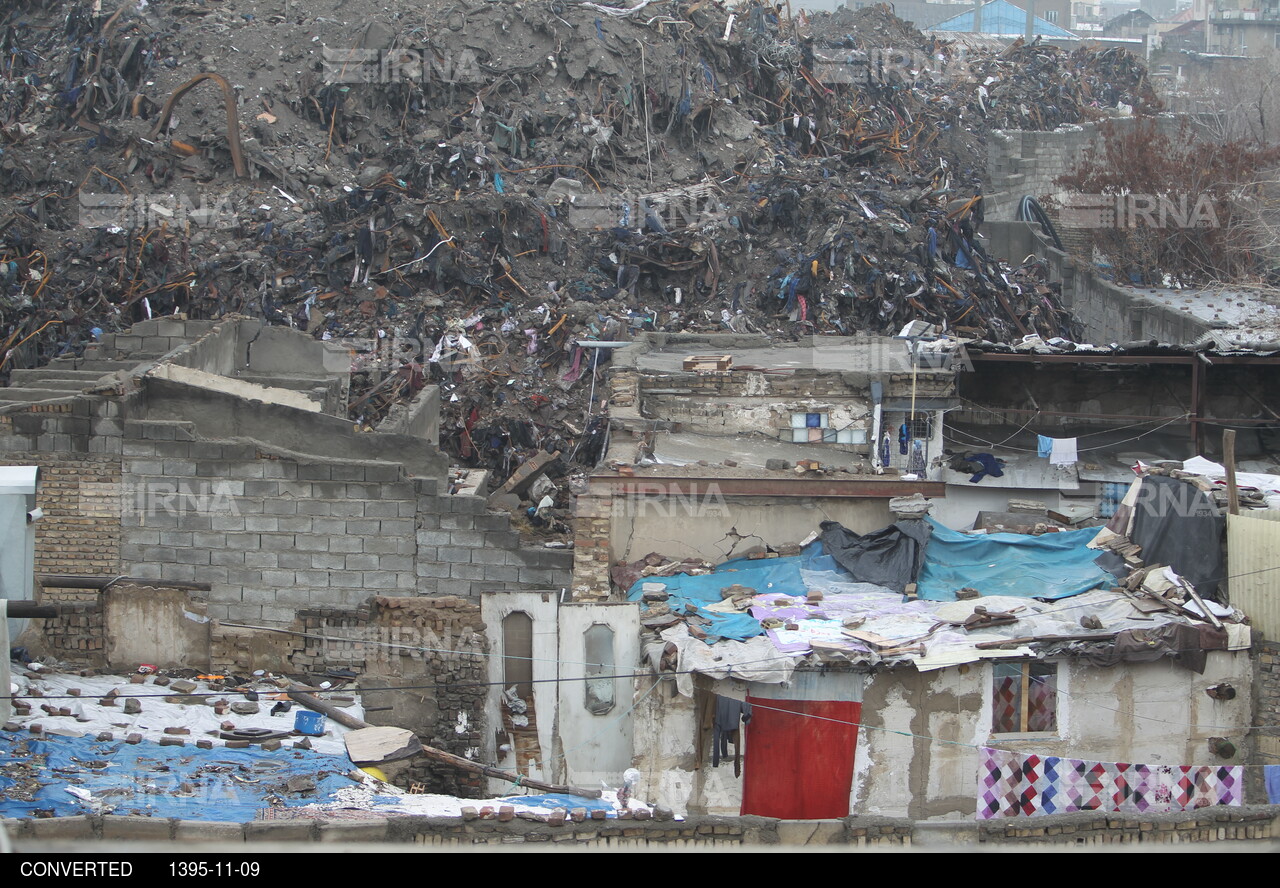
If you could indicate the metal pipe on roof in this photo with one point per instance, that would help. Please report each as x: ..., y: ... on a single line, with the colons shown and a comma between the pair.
x: 583, y: 343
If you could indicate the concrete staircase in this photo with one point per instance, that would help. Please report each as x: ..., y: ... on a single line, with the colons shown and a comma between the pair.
x: 65, y: 377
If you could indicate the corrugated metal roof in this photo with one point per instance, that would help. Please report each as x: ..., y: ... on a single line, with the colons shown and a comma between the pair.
x: 1254, y: 584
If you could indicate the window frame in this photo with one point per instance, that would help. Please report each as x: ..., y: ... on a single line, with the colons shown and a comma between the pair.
x: 1025, y: 668
x: 599, y: 674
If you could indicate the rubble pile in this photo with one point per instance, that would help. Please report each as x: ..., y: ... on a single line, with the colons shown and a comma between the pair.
x: 468, y: 192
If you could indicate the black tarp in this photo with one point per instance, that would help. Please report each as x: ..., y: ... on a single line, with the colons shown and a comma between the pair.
x: 891, y: 557
x: 1185, y: 643
x: 1176, y: 524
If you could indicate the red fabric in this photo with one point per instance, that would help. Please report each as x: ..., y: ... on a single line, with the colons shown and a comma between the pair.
x: 798, y: 767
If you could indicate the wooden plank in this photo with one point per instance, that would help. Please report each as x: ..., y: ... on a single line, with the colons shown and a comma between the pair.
x: 343, y: 718
x: 374, y: 745
x: 1229, y: 461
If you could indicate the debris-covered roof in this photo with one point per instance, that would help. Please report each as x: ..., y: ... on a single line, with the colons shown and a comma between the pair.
x: 971, y: 596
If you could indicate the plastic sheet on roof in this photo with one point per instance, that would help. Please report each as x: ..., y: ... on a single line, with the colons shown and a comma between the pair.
x: 762, y: 574
x: 146, y: 778
x: 1050, y: 566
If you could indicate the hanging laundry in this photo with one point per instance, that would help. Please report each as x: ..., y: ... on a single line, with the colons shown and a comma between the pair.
x: 1044, y: 445
x: 1063, y: 452
x: 916, y: 464
x: 729, y: 713
x: 885, y: 444
x: 904, y: 435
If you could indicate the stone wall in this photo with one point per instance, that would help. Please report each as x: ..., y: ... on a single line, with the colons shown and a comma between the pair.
x: 487, y: 827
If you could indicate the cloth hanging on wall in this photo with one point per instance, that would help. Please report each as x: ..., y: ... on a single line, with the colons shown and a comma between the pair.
x: 1044, y: 445
x: 1011, y: 784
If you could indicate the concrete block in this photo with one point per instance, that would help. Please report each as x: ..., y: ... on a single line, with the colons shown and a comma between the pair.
x: 194, y: 556
x: 489, y: 556
x: 278, y: 542
x: 277, y: 615
x: 390, y: 473
x: 244, y: 541
x: 261, y: 560
x: 279, y: 831
x: 390, y: 545
x: 281, y: 507
x: 362, y: 562
x: 261, y: 488
x: 467, y: 571
x: 382, y: 509
x: 314, y: 472
x: 432, y: 570
x: 470, y: 538
x: 280, y: 469
x: 549, y: 579
x: 457, y: 522
x: 371, y: 830
x: 502, y: 539
x: 455, y: 554
x: 312, y: 578
x: 378, y: 579
x: 78, y: 826
x: 209, y: 540
x: 297, y: 523
x: 309, y: 542
x: 296, y: 489
x: 296, y: 560
x: 346, y: 472
x: 347, y: 545
x: 434, y: 538
x: 260, y: 523
x: 138, y: 829
x: 314, y: 507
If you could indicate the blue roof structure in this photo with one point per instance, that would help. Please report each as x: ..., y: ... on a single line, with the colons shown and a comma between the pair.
x: 1001, y: 18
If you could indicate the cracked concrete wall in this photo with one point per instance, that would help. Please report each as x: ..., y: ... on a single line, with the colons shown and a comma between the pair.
x: 917, y: 752
x: 715, y: 527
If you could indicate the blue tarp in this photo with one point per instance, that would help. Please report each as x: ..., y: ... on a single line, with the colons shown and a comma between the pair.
x: 146, y: 778
x: 1050, y: 566
x: 762, y: 574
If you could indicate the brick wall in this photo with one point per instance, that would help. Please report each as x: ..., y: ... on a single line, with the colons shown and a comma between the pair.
x: 80, y: 531
x: 77, y: 634
x: 592, y: 553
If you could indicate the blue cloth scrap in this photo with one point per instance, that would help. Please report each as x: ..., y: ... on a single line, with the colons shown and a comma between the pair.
x: 1044, y: 445
x: 990, y: 466
x: 1273, y: 783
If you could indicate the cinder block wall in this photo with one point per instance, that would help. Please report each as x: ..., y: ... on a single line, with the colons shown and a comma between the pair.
x: 270, y: 532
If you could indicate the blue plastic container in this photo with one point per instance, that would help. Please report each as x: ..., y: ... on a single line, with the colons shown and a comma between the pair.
x: 307, y: 722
